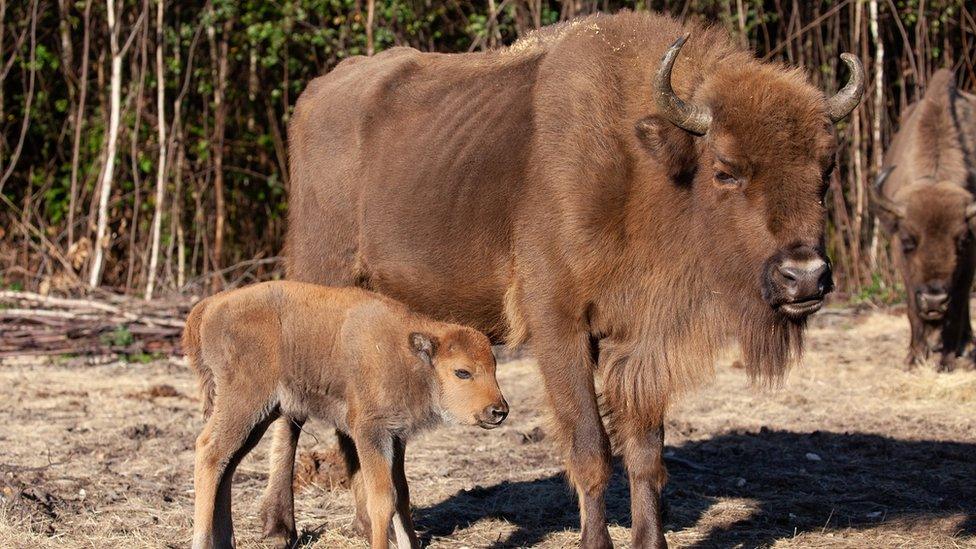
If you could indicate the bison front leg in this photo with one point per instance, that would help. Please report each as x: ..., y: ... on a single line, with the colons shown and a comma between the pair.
x: 567, y: 368
x: 918, y: 348
x: 643, y: 455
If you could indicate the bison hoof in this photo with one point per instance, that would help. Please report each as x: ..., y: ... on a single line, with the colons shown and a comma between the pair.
x: 913, y: 361
x: 595, y: 539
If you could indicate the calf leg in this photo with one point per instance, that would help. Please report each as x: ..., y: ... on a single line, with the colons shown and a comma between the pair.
x: 567, y: 368
x: 406, y: 536
x: 278, y: 502
x: 375, y: 449
x: 347, y: 448
x: 227, y: 437
x: 643, y: 455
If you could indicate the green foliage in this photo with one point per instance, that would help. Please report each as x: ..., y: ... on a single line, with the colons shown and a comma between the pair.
x: 273, y: 50
x: 880, y: 293
x: 144, y: 358
x: 119, y: 337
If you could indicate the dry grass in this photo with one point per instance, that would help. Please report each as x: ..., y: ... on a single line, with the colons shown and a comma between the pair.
x: 101, y: 455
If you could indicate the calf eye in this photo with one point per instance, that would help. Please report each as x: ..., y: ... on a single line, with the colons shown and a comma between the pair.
x: 462, y: 374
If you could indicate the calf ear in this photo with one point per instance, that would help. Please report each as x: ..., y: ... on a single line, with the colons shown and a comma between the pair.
x: 673, y: 147
x: 423, y: 346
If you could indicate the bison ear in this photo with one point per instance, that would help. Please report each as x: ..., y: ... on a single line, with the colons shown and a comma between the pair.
x: 671, y: 146
x: 423, y: 346
x: 971, y: 217
x: 886, y: 209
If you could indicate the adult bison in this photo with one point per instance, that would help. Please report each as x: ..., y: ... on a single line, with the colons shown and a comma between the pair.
x: 560, y: 191
x: 924, y: 199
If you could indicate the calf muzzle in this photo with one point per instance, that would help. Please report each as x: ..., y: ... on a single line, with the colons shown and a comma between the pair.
x: 493, y: 415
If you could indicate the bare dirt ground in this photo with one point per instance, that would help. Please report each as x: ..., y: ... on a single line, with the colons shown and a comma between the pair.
x: 851, y: 451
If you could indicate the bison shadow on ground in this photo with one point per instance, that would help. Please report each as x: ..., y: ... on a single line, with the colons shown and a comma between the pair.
x: 797, y: 482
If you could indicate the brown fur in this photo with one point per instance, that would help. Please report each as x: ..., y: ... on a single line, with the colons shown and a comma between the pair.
x: 535, y: 193
x: 352, y: 358
x: 929, y: 190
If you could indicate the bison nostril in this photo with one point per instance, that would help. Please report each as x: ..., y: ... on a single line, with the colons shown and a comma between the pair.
x: 934, y: 299
x: 789, y: 274
x: 806, y: 279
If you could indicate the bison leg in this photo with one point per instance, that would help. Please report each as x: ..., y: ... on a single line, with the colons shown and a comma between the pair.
x: 918, y: 349
x: 643, y: 455
x: 406, y: 537
x: 957, y: 332
x: 278, y: 503
x: 567, y: 368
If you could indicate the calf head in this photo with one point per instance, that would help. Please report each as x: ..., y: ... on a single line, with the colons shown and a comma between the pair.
x: 464, y: 369
x: 931, y: 227
x: 757, y: 151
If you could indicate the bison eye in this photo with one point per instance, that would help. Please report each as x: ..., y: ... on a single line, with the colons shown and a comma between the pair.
x: 726, y: 179
x: 462, y: 374
x: 908, y: 244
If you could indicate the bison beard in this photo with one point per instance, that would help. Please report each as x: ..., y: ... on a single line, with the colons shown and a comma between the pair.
x: 559, y: 192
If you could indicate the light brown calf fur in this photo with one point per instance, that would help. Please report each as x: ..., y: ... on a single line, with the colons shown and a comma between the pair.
x: 355, y: 359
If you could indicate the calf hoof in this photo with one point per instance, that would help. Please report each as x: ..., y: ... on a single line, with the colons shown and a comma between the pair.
x: 276, y: 527
x: 360, y: 526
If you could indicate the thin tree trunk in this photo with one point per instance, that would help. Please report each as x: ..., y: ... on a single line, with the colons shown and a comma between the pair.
x: 370, y: 12
x: 134, y: 155
x: 115, y: 98
x: 858, y: 171
x: 161, y: 168
x: 28, y: 99
x: 177, y: 212
x: 879, y: 54
x: 220, y: 62
x: 80, y: 122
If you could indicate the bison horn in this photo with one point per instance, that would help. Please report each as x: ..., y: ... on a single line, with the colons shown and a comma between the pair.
x: 844, y: 101
x: 881, y: 203
x: 971, y: 215
x: 692, y: 118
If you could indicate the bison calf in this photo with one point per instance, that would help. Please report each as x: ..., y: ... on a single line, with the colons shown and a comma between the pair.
x: 355, y: 359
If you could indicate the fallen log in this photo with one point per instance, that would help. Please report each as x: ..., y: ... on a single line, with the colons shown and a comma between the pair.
x: 35, y: 324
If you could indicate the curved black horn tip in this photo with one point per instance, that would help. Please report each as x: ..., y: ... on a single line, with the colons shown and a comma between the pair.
x: 882, y: 176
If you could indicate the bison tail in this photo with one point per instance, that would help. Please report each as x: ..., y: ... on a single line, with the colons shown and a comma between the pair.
x: 192, y: 350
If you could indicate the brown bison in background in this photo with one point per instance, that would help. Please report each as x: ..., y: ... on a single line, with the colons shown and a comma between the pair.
x: 559, y: 191
x: 924, y: 199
